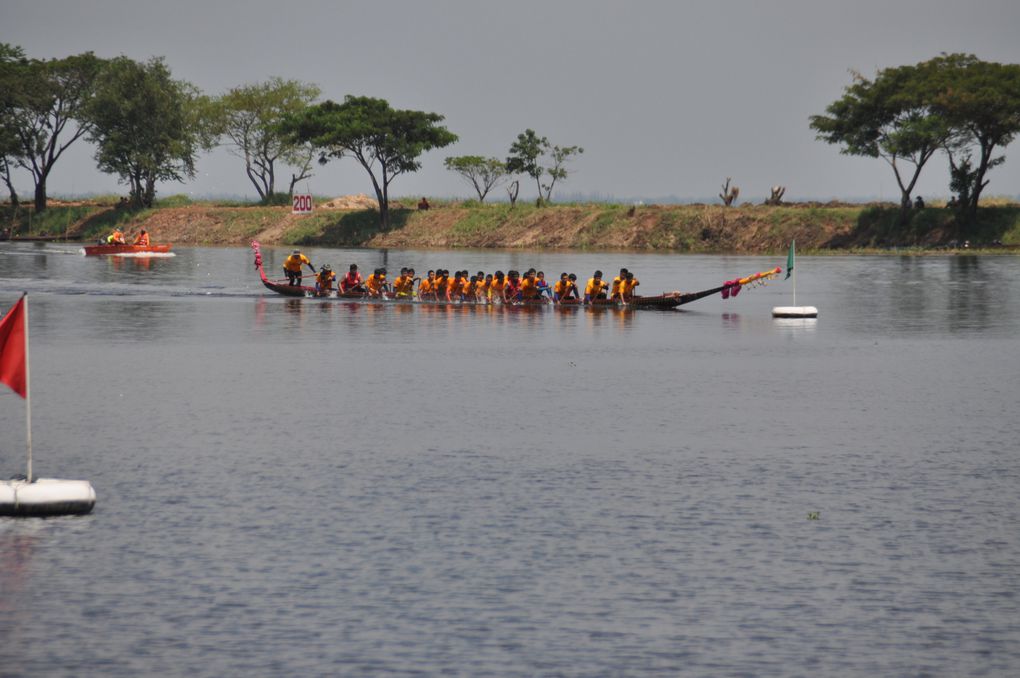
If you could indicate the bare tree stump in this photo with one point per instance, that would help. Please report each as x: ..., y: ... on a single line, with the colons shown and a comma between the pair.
x: 729, y: 195
x: 776, y: 195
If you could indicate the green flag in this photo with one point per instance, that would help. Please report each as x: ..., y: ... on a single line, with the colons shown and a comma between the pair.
x: 789, y: 260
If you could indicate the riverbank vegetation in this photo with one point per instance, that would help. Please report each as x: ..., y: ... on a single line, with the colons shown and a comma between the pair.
x: 695, y: 228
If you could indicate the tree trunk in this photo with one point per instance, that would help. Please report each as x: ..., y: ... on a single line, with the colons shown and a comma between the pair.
x: 10, y: 186
x: 40, y: 195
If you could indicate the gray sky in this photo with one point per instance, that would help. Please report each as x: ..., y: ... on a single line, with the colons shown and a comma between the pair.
x: 667, y: 98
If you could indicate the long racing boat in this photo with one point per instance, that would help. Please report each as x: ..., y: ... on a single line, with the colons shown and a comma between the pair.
x: 666, y: 300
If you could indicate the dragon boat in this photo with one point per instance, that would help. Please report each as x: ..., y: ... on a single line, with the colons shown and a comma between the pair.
x: 666, y: 300
x: 96, y: 250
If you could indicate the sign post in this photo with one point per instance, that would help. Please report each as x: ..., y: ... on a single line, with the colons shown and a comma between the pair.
x: 301, y: 203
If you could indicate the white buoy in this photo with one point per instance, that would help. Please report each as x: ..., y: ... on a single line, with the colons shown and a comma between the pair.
x: 46, y: 497
x: 32, y: 496
x: 794, y: 311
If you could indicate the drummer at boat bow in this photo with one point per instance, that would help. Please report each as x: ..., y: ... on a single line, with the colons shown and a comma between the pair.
x: 292, y: 267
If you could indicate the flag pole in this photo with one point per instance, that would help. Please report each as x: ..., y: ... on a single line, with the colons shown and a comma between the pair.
x: 28, y: 396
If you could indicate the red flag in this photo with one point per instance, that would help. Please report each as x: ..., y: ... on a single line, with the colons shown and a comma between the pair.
x: 12, y: 349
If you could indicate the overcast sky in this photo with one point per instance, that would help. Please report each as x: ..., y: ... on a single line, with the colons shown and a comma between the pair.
x: 667, y: 98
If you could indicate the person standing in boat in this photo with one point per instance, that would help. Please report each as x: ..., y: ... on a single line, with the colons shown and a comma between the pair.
x: 351, y: 282
x: 324, y: 280
x: 595, y: 289
x: 292, y: 267
x: 142, y: 238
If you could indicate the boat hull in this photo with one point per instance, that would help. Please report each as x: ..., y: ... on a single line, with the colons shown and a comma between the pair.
x: 98, y: 250
x: 46, y: 497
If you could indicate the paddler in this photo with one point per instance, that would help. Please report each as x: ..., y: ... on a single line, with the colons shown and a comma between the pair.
x: 627, y: 287
x: 596, y: 288
x: 512, y: 288
x: 116, y: 238
x: 292, y: 267
x: 142, y: 238
x: 324, y: 280
x: 529, y: 287
x: 561, y: 287
x: 376, y: 283
x: 497, y: 287
x: 403, y: 286
x: 440, y: 284
x: 455, y: 287
x: 572, y: 291
x: 616, y: 291
x: 482, y: 288
x: 351, y: 282
x: 426, y: 288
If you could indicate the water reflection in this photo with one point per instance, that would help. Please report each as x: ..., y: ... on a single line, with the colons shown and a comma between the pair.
x: 967, y: 298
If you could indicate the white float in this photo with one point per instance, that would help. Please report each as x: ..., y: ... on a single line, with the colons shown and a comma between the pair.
x: 46, y: 497
x: 32, y: 496
x: 794, y: 311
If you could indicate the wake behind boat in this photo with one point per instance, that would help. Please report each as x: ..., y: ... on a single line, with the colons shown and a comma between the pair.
x: 666, y: 300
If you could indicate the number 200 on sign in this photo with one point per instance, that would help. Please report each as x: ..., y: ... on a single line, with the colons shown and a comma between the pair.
x: 302, y: 204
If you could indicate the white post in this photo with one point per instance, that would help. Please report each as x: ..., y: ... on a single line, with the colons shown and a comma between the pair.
x: 795, y: 284
x: 28, y: 396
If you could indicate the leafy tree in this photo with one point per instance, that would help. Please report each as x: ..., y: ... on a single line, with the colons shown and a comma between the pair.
x: 482, y: 173
x: 526, y: 156
x: 890, y: 117
x: 148, y: 127
x: 251, y: 118
x: 12, y: 58
x: 42, y: 99
x: 981, y: 101
x: 380, y: 138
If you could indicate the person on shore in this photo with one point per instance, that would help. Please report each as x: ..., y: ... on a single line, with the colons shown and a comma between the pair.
x: 423, y: 204
x: 919, y: 203
x: 292, y: 267
x: 116, y: 238
x: 351, y: 282
x: 324, y: 280
x: 142, y: 238
x: 595, y: 289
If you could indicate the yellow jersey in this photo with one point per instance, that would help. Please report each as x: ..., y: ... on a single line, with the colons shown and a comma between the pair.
x: 294, y: 262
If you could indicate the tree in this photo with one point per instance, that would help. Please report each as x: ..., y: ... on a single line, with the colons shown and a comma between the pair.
x: 251, y: 118
x: 890, y: 117
x: 148, y: 127
x: 379, y: 137
x: 526, y: 156
x: 12, y: 59
x: 46, y: 97
x: 981, y: 102
x: 482, y: 173
x: 560, y: 155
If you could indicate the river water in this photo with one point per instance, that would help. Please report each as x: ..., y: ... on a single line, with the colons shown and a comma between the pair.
x: 307, y: 487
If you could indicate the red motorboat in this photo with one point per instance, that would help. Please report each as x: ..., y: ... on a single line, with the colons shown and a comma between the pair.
x: 94, y: 250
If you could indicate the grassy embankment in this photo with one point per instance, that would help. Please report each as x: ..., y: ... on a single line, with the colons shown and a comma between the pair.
x: 683, y: 228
